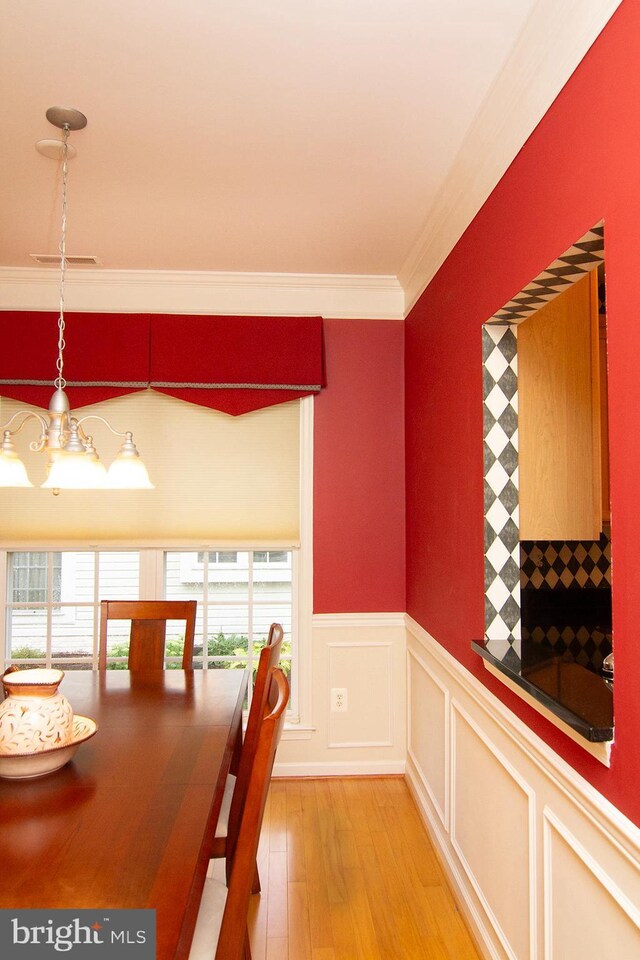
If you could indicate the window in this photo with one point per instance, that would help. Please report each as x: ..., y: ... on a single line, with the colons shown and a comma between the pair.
x: 51, y: 617
x: 52, y: 605
x: 30, y: 576
x: 219, y: 556
x: 270, y: 556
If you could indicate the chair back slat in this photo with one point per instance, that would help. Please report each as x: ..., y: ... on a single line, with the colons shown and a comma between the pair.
x: 148, y: 630
x: 244, y: 845
x: 260, y: 705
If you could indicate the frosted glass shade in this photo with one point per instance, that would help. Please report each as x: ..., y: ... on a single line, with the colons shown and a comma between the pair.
x: 128, y: 473
x: 13, y: 472
x: 75, y: 471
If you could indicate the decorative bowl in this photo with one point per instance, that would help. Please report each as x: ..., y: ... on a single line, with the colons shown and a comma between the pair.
x: 28, y: 766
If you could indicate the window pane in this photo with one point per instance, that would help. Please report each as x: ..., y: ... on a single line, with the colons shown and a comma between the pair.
x: 119, y: 576
x: 226, y: 664
x: 72, y: 631
x: 278, y: 556
x: 229, y: 582
x: 67, y: 665
x: 27, y: 630
x: 118, y: 634
x: 28, y: 575
x: 231, y: 644
x: 77, y: 576
x: 264, y: 616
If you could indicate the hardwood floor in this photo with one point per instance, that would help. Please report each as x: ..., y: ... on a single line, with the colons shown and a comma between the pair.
x: 349, y: 873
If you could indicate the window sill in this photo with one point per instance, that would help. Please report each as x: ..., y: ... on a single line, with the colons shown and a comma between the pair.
x: 295, y: 732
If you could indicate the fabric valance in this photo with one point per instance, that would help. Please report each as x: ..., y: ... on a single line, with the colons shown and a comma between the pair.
x: 237, y: 364
x: 232, y: 364
x: 105, y: 356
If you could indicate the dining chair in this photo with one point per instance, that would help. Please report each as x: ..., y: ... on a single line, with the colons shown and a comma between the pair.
x: 236, y: 786
x: 221, y: 926
x: 148, y: 630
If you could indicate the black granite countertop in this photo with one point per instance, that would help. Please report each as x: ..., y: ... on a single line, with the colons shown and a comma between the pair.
x: 572, y: 692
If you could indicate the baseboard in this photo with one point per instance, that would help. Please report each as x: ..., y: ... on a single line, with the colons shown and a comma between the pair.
x: 447, y: 860
x: 346, y: 768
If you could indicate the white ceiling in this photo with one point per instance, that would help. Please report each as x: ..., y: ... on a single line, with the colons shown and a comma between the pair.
x: 292, y: 136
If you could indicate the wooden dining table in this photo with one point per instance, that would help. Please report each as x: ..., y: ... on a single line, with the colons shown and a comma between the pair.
x: 128, y: 821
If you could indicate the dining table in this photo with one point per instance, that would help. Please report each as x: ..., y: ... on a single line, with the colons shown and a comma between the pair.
x: 128, y: 822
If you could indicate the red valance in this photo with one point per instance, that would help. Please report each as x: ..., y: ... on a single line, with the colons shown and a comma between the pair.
x: 237, y: 364
x: 106, y: 355
x: 233, y: 364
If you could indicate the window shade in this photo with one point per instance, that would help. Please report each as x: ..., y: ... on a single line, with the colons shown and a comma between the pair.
x: 105, y: 356
x: 217, y: 478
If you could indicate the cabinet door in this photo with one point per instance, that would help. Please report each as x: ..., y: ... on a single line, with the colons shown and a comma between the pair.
x: 559, y: 418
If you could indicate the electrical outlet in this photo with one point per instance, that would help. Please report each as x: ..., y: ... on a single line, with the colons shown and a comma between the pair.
x: 339, y: 700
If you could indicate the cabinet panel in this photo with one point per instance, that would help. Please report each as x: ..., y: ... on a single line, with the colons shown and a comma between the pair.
x: 559, y: 418
x: 604, y: 417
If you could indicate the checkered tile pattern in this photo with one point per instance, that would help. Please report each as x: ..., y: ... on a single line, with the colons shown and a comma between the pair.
x: 552, y: 564
x: 501, y: 520
x: 586, y: 646
x: 571, y: 266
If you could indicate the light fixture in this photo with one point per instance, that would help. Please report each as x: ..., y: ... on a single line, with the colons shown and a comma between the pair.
x: 72, y: 459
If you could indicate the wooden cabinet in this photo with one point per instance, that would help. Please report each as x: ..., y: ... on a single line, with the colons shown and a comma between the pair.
x: 560, y: 428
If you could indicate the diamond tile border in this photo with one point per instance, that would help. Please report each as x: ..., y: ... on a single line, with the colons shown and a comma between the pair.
x: 579, y: 259
x: 501, y: 509
x: 503, y: 629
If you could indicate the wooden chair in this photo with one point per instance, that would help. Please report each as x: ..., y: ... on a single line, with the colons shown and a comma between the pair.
x: 148, y: 630
x: 235, y: 789
x: 221, y: 927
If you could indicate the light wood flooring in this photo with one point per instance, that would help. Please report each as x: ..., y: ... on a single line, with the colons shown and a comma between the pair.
x: 348, y: 873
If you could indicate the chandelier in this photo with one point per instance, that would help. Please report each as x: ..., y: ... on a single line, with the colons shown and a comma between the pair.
x: 72, y: 459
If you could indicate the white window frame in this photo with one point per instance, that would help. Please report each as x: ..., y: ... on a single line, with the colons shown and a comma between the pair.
x: 151, y: 576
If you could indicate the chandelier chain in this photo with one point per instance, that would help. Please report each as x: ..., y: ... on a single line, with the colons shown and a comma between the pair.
x: 72, y: 461
x: 60, y: 382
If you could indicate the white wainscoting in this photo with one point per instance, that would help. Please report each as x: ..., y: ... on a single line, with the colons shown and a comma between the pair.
x: 364, y: 654
x: 544, y: 866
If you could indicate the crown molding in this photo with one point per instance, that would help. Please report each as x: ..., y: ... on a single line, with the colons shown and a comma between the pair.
x: 342, y: 296
x: 554, y: 40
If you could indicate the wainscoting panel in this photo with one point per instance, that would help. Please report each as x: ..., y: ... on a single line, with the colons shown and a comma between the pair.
x: 493, y: 833
x: 545, y: 867
x: 367, y: 721
x: 428, y: 708
x: 364, y: 654
x: 574, y: 877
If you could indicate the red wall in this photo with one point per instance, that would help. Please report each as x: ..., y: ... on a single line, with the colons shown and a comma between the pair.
x: 580, y: 165
x: 359, y: 504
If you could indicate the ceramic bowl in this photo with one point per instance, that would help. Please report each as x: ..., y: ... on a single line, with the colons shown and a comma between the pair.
x: 27, y: 766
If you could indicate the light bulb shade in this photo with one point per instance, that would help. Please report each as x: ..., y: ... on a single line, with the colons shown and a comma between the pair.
x: 13, y: 472
x: 128, y: 473
x: 75, y: 471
